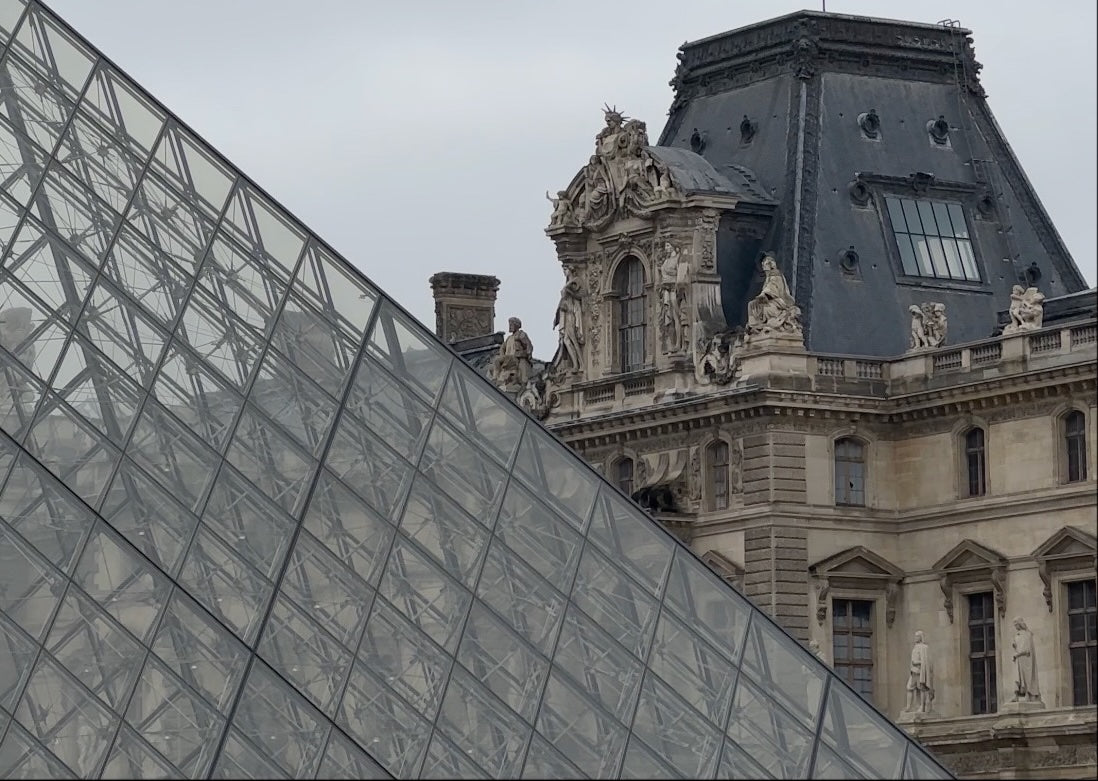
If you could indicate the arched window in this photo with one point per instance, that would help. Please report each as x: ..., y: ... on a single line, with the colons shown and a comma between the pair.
x: 1075, y: 440
x: 717, y: 457
x: 849, y: 472
x: 629, y: 288
x: 623, y: 475
x: 976, y: 461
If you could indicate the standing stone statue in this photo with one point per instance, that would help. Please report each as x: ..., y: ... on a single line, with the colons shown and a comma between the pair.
x: 1026, y: 688
x: 674, y: 279
x: 510, y: 368
x: 1027, y: 310
x: 773, y: 310
x: 920, y: 679
x: 569, y: 319
x: 562, y: 209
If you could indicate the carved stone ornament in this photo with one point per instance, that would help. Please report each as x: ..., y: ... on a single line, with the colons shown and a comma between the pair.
x: 622, y: 179
x: 1027, y: 310
x: 510, y: 369
x: 928, y: 325
x: 823, y: 588
x: 467, y: 322
x: 859, y: 569
x: 968, y: 562
x: 773, y: 312
x: 717, y: 359
x: 538, y: 397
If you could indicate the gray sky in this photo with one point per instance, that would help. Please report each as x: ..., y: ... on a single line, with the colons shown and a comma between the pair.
x: 418, y: 137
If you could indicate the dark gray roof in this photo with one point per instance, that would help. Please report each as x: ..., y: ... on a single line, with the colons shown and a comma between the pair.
x: 803, y: 80
x: 692, y: 173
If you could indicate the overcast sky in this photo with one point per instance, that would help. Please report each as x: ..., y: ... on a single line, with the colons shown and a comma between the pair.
x: 418, y: 137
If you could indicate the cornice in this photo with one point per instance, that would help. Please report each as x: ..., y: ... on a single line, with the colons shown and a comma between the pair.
x: 760, y: 404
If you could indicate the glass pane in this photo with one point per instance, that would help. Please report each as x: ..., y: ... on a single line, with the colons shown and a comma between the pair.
x: 444, y: 760
x: 290, y: 399
x: 193, y: 170
x: 343, y: 297
x: 632, y: 539
x: 674, y: 731
x: 556, y: 476
x: 29, y: 587
x: 174, y: 720
x: 200, y: 651
x: 477, y: 721
x: 21, y: 756
x: 615, y: 602
x: 539, y: 536
x: 122, y: 582
x: 132, y: 757
x: 765, y: 738
x: 502, y: 662
x: 408, y: 352
x: 390, y: 409
x: 356, y: 534
x: 521, y: 597
x: 101, y: 654
x: 599, y: 664
x: 405, y: 658
x: 15, y: 662
x: 369, y: 467
x: 394, y: 734
x: 544, y: 761
x: 694, y: 670
x: 248, y: 523
x: 482, y: 416
x: 579, y: 730
x: 707, y: 604
x: 307, y: 656
x: 239, y: 759
x: 327, y: 591
x: 862, y: 737
x: 641, y: 763
x: 780, y: 666
x: 273, y: 716
x: 420, y: 590
x: 344, y: 760
x: 314, y: 345
x: 53, y: 53
x: 32, y: 105
x: 118, y: 106
x: 66, y: 719
x: 442, y: 529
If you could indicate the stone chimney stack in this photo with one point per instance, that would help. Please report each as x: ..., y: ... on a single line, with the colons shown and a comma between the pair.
x: 465, y: 305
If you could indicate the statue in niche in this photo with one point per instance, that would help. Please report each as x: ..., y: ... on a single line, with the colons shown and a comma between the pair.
x: 920, y: 679
x: 1027, y: 310
x: 673, y: 282
x: 1026, y: 688
x: 562, y: 210
x: 773, y: 310
x: 510, y: 369
x: 569, y: 321
x: 928, y: 325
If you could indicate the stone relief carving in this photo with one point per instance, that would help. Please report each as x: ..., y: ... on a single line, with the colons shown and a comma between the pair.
x: 621, y: 179
x: 773, y: 312
x: 823, y: 588
x: 735, y: 466
x: 706, y: 240
x: 510, y: 369
x: 920, y: 678
x: 696, y: 477
x: 467, y: 322
x: 673, y: 282
x: 928, y: 325
x: 1026, y: 688
x: 717, y: 359
x: 569, y: 321
x: 1027, y: 310
x: 892, y: 591
x: 594, y: 307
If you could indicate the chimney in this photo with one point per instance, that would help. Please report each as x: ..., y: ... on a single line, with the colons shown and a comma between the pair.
x: 465, y: 305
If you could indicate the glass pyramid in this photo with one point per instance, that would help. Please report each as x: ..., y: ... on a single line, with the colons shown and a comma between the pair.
x: 255, y: 521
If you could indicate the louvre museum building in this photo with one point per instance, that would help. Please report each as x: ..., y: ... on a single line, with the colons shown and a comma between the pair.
x: 806, y: 489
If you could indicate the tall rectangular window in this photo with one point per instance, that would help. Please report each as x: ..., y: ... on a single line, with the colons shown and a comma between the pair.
x: 849, y: 472
x: 852, y: 643
x: 629, y: 287
x: 1083, y: 641
x: 975, y: 462
x: 1075, y: 439
x: 718, y: 474
x: 933, y: 239
x: 981, y: 653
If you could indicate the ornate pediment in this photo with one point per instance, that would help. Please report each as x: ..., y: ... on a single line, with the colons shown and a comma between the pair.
x: 857, y: 568
x: 969, y: 562
x: 622, y: 179
x: 1070, y: 548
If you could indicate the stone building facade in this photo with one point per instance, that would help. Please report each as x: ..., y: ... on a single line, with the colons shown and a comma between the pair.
x: 839, y: 348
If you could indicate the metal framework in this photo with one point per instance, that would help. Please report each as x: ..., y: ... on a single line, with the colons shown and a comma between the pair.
x: 256, y: 521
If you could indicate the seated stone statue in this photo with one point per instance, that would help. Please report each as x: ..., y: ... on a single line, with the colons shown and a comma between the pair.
x: 773, y: 310
x: 510, y: 368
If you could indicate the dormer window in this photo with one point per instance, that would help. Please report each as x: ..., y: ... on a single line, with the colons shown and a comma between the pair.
x: 932, y: 238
